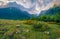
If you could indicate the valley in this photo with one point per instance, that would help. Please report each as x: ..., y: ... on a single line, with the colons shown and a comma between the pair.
x: 17, y: 29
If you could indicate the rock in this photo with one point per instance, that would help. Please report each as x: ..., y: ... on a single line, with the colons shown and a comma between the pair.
x: 46, y: 32
x: 26, y: 30
x: 18, y: 26
x: 18, y: 32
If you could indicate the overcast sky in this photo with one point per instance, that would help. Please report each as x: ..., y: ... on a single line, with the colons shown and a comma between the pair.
x: 34, y: 6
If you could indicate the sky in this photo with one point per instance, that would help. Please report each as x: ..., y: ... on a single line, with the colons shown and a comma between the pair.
x: 33, y: 6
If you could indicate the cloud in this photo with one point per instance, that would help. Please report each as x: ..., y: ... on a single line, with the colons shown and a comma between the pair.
x: 34, y: 6
x: 25, y: 3
x: 57, y: 2
x: 3, y: 2
x: 11, y: 0
x: 37, y: 5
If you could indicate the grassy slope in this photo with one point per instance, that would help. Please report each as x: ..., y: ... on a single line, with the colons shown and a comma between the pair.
x: 16, y: 29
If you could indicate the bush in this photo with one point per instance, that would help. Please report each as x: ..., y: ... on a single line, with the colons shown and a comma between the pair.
x: 40, y: 27
x: 30, y: 22
x: 37, y: 26
x: 58, y: 23
x: 51, y: 22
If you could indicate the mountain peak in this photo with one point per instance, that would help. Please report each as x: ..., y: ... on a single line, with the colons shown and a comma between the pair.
x: 12, y: 4
x: 13, y: 13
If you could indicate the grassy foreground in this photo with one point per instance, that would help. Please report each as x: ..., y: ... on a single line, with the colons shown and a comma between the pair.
x: 16, y: 29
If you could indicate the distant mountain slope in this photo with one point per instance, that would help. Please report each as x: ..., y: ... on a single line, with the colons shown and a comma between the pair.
x: 13, y: 13
x: 51, y: 11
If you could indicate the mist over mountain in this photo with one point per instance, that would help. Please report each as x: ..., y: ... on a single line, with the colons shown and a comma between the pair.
x: 31, y: 6
x: 20, y: 9
x: 51, y: 11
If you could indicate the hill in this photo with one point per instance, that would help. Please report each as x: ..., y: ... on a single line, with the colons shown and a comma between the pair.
x: 13, y: 13
x: 50, y: 15
x: 51, y: 11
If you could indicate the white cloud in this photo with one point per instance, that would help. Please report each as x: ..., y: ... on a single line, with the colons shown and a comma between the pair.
x: 37, y: 5
x: 3, y: 2
x: 34, y: 6
x: 25, y: 3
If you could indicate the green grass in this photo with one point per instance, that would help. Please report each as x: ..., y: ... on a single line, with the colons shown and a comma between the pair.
x: 16, y: 29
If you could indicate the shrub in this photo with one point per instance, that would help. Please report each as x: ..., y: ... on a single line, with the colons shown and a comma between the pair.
x: 58, y: 23
x: 57, y: 31
x: 40, y: 27
x: 30, y: 22
x: 37, y: 26
x: 51, y: 22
